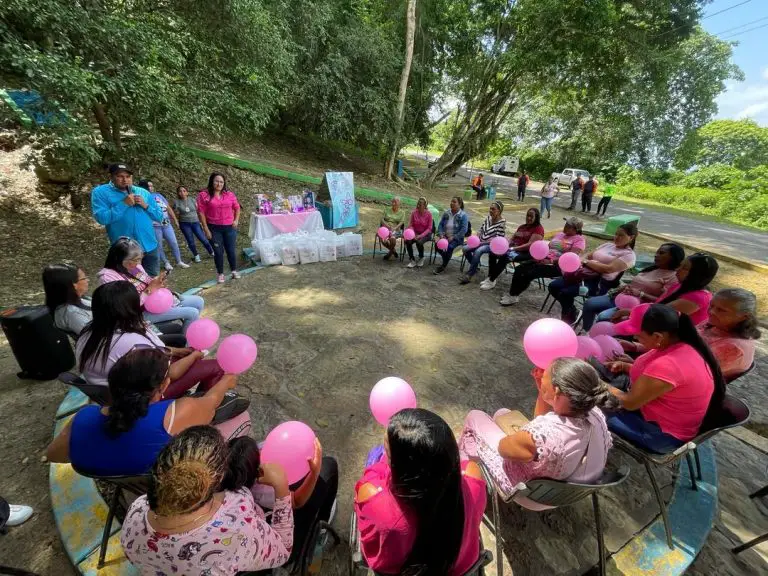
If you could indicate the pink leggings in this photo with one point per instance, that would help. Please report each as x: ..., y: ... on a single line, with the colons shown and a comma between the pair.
x: 485, y: 428
x: 205, y: 372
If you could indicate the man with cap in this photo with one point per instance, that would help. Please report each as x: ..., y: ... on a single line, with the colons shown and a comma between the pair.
x: 127, y: 210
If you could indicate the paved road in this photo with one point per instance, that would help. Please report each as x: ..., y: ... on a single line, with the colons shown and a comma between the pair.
x: 725, y: 238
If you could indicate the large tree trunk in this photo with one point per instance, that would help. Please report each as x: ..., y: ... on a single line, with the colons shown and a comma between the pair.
x: 101, y: 119
x: 410, y: 32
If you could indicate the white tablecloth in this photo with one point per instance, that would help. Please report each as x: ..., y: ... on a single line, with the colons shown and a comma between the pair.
x: 268, y: 225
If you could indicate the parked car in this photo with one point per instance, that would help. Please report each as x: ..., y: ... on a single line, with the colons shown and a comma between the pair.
x: 565, y: 177
x: 506, y: 166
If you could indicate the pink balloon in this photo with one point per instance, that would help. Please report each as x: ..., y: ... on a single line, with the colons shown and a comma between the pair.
x: 389, y: 396
x: 603, y: 328
x: 569, y: 262
x: 627, y: 302
x: 539, y: 249
x: 290, y: 445
x: 383, y: 233
x: 442, y: 244
x: 588, y: 348
x: 499, y: 245
x: 237, y: 353
x: 159, y: 301
x: 202, y: 334
x: 548, y: 339
x: 609, y: 345
x: 409, y: 234
x: 473, y: 242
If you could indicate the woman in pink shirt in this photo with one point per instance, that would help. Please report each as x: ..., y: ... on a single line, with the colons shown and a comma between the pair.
x: 567, y: 440
x: 421, y: 507
x: 676, y: 388
x: 219, y: 213
x: 421, y: 223
x: 731, y: 331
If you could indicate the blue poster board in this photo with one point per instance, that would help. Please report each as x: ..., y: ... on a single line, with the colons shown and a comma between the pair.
x: 339, y: 187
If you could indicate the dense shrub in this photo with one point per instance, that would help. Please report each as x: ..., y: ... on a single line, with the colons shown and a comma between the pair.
x: 714, y: 176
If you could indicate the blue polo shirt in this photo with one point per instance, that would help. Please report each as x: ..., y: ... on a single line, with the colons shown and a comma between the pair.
x: 110, y: 210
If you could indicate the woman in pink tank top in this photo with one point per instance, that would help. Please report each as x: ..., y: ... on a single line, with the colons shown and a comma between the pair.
x: 420, y: 507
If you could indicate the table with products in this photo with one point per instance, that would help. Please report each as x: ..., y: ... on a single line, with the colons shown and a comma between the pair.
x: 264, y: 226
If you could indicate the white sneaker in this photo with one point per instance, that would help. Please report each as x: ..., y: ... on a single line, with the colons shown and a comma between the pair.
x: 197, y: 258
x: 411, y: 264
x: 19, y: 515
x: 183, y: 265
x: 420, y: 263
x: 487, y: 284
x: 235, y: 274
x: 508, y: 300
x: 220, y: 279
x: 168, y: 266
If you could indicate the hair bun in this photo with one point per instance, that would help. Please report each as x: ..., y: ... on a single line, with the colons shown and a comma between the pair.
x: 185, y: 485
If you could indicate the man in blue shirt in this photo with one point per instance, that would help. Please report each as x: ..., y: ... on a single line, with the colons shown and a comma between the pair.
x: 127, y: 210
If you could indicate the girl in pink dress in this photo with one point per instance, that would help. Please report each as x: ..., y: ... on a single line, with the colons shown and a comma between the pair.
x: 420, y: 508
x: 567, y: 440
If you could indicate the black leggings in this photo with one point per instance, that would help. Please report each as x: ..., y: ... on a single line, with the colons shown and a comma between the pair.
x: 521, y: 193
x: 586, y: 201
x: 318, y: 507
x: 604, y: 201
x: 497, y: 264
x: 528, y: 272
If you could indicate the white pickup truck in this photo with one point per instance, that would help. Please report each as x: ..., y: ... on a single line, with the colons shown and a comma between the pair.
x: 564, y: 178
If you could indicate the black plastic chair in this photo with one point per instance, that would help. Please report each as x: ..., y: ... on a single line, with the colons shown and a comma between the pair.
x: 554, y: 493
x: 760, y: 539
x: 432, y: 252
x: 735, y: 413
x: 741, y: 375
x: 357, y: 561
x: 602, y: 288
x: 98, y: 394
x: 122, y: 485
x: 378, y: 243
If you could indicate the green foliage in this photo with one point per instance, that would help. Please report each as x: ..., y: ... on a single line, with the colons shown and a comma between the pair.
x: 714, y: 176
x: 742, y: 144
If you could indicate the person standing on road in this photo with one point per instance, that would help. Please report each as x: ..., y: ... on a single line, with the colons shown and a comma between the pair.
x: 576, y: 185
x: 548, y: 192
x: 127, y: 210
x: 219, y: 213
x: 522, y: 184
x: 605, y: 200
x: 590, y: 187
x: 185, y: 208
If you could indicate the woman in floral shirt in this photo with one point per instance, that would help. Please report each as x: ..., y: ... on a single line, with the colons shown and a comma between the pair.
x: 184, y: 525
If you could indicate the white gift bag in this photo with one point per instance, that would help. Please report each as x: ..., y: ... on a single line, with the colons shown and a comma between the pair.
x: 289, y: 252
x: 308, y: 251
x: 353, y: 244
x: 327, y: 250
x: 255, y: 247
x: 270, y: 255
x: 341, y: 246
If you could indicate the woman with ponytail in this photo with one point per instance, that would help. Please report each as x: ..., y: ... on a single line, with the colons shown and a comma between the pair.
x: 419, y: 510
x: 126, y: 437
x: 676, y: 388
x: 567, y: 440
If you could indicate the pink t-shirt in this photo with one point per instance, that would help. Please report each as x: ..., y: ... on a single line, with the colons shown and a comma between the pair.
x: 219, y: 210
x: 680, y: 411
x: 561, y: 244
x: 734, y: 355
x: 701, y: 298
x: 655, y: 282
x: 421, y: 223
x: 608, y: 252
x: 388, y: 529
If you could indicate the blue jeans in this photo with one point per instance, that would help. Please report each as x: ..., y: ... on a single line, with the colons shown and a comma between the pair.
x: 631, y: 426
x: 474, y: 255
x: 546, y: 203
x: 448, y: 252
x: 151, y: 262
x: 188, y: 311
x: 192, y: 230
x: 166, y: 233
x: 224, y: 238
x: 605, y: 315
x: 595, y: 306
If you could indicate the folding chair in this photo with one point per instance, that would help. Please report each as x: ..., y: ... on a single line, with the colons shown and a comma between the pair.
x: 432, y: 253
x: 357, y: 561
x: 735, y: 413
x: 760, y: 539
x: 377, y: 242
x: 554, y: 493
x: 98, y: 394
x: 134, y: 485
x: 742, y: 374
x: 602, y: 288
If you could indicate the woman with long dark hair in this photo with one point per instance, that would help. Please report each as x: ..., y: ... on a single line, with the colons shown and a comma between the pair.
x: 647, y: 286
x: 676, y: 388
x: 419, y: 512
x: 219, y: 213
x: 65, y: 287
x: 125, y: 437
x: 124, y: 263
x: 519, y: 246
x: 118, y: 327
x: 567, y: 440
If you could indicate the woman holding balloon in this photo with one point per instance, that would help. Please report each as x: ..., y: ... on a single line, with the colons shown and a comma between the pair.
x: 519, y: 247
x: 494, y: 226
x: 604, y: 265
x: 419, y: 232
x: 451, y: 231
x: 391, y: 227
x: 646, y: 286
x: 160, y: 305
x: 569, y: 241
